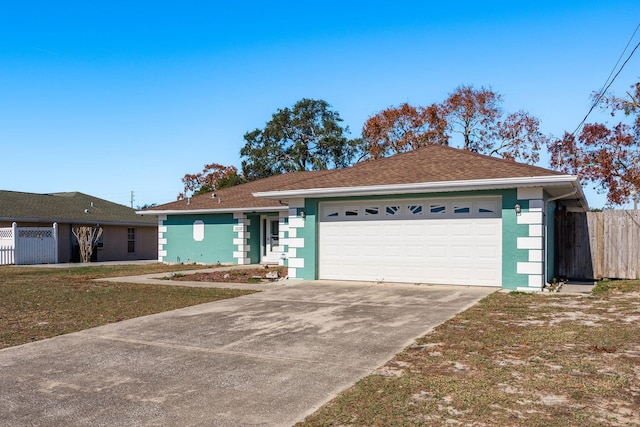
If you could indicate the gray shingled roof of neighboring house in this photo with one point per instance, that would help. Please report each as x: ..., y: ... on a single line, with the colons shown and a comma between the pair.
x: 71, y: 207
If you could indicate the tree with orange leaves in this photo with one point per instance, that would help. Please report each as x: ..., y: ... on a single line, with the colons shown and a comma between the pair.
x: 403, y: 128
x: 473, y: 114
x: 608, y: 156
x: 213, y: 176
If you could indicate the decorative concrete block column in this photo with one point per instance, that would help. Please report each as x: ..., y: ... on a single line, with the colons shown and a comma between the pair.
x: 162, y: 240
x: 283, y: 234
x: 55, y: 239
x: 294, y: 242
x: 241, y: 241
x: 533, y: 243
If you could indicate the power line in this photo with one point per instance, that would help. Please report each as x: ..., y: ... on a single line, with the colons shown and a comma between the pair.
x: 607, y: 84
x: 602, y: 90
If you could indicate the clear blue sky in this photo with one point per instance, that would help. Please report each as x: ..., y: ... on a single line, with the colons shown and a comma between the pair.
x: 112, y: 97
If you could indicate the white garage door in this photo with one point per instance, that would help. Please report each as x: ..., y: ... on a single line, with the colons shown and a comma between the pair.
x: 450, y: 241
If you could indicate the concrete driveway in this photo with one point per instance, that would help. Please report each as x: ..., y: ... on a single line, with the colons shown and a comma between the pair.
x: 269, y: 358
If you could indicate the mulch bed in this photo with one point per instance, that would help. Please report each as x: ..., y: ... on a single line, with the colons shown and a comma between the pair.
x: 252, y: 275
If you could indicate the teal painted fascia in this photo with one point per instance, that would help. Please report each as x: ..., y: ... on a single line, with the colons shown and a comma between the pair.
x: 216, y: 247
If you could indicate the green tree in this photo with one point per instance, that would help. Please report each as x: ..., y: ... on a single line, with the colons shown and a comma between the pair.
x: 308, y: 136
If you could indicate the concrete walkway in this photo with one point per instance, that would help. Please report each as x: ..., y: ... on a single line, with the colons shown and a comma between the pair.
x: 269, y: 358
x: 580, y: 288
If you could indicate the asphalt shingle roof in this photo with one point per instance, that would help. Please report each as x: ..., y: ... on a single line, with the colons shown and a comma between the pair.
x: 434, y: 163
x: 241, y: 196
x: 70, y: 207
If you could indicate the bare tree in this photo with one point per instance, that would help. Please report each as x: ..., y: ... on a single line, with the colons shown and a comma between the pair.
x: 87, y: 237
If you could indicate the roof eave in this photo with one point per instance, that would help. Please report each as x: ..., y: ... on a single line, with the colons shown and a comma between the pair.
x: 78, y: 221
x: 212, y: 211
x: 431, y: 187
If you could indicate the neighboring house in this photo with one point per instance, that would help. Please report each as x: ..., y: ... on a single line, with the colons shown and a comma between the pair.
x: 126, y: 236
x: 434, y: 215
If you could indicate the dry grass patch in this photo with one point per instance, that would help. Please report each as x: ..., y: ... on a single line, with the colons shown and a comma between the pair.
x: 515, y: 360
x: 38, y: 303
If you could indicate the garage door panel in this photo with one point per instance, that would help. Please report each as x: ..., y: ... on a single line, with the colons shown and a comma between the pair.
x: 416, y: 248
x: 415, y: 230
x: 437, y: 230
x: 437, y: 253
x: 461, y: 230
x: 488, y: 253
x: 369, y: 251
x: 438, y: 274
x: 414, y: 253
x: 463, y: 254
x: 486, y: 229
x: 485, y: 274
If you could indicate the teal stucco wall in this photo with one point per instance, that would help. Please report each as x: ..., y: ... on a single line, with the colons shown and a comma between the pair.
x: 551, y: 239
x: 310, y: 235
x: 511, y: 230
x: 216, y: 247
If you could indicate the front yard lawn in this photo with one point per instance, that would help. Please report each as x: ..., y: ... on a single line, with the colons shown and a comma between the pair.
x: 38, y: 303
x: 514, y: 359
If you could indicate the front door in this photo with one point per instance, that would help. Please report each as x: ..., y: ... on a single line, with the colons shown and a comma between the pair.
x: 270, y: 241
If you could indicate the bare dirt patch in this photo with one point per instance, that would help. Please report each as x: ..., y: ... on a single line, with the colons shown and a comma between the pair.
x: 513, y: 359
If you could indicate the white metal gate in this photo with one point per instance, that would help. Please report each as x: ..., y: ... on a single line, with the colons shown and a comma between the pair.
x: 29, y: 245
x: 7, y: 245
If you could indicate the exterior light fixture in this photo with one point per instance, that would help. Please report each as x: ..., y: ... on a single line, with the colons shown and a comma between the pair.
x: 518, y: 209
x: 303, y: 214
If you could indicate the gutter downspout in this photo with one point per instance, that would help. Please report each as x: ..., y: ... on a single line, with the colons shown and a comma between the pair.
x: 546, y: 242
x: 574, y: 191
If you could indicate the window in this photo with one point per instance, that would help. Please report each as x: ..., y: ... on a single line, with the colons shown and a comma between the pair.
x: 391, y: 210
x: 437, y: 208
x: 131, y: 240
x: 353, y: 211
x: 462, y: 208
x: 331, y: 212
x: 486, y: 207
x: 371, y: 210
x: 198, y: 230
x: 415, y: 209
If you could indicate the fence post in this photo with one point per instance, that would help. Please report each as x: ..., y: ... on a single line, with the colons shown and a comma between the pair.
x: 14, y: 232
x: 55, y: 239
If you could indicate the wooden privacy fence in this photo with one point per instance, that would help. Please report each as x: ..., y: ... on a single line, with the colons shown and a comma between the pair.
x: 594, y: 245
x: 28, y: 245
